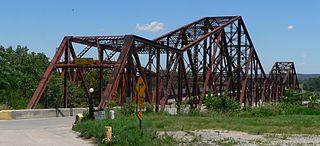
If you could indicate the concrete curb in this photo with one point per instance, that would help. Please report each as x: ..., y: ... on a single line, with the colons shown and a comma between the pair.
x: 5, y: 115
x: 39, y: 113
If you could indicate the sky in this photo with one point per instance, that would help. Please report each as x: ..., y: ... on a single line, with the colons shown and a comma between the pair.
x: 281, y: 30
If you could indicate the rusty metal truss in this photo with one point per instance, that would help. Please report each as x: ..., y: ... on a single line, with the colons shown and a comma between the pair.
x: 282, y: 76
x: 213, y: 56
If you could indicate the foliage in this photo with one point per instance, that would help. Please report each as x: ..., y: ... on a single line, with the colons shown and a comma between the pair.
x: 292, y: 97
x: 221, y: 103
x: 91, y: 77
x: 314, y: 99
x: 52, y: 95
x: 149, y: 107
x: 111, y: 104
x: 20, y: 72
x: 312, y: 84
x: 4, y: 107
x: 128, y: 109
x: 125, y: 130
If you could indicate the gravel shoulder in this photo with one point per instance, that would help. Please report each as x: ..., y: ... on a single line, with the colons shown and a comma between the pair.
x: 222, y: 137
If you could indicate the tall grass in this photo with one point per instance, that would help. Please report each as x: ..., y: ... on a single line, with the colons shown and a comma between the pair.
x: 125, y: 130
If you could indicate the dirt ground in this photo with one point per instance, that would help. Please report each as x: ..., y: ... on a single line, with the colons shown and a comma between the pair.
x: 225, y: 137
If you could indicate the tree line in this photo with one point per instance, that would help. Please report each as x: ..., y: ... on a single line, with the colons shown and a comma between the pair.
x: 20, y: 73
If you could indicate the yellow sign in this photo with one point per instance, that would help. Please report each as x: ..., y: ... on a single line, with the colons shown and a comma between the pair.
x: 83, y: 61
x: 139, y: 115
x: 140, y: 87
x: 141, y: 102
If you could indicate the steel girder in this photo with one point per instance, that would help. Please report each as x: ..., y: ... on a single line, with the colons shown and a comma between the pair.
x: 121, y: 54
x: 220, y: 58
x: 211, y: 56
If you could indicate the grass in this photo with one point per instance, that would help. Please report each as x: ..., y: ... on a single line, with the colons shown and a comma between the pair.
x: 288, y: 124
x: 125, y: 129
x: 282, y: 119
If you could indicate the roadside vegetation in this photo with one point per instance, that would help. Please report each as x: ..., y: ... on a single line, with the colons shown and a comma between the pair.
x: 125, y: 129
x: 289, y: 116
x: 20, y: 73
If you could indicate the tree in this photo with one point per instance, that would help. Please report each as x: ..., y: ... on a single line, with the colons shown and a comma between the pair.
x: 312, y: 84
x: 20, y: 73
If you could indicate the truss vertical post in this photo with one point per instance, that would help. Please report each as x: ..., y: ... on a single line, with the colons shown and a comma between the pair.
x: 100, y: 55
x: 65, y: 77
x: 180, y: 80
x: 129, y: 89
x: 238, y: 84
x: 158, y: 80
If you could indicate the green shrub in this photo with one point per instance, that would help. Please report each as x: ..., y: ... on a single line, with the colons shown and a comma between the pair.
x: 313, y: 98
x: 292, y: 97
x: 149, y: 107
x: 111, y: 104
x: 128, y: 109
x: 221, y: 104
x: 85, y: 115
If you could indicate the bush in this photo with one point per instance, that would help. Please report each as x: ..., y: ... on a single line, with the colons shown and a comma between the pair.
x: 149, y: 107
x: 292, y: 97
x: 111, y: 104
x: 313, y: 99
x: 85, y: 115
x: 221, y: 104
x: 128, y: 109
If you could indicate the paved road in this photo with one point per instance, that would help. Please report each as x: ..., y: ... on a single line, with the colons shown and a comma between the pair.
x: 40, y: 132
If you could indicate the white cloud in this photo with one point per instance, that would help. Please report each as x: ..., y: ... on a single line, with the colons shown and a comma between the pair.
x: 290, y: 27
x: 153, y: 27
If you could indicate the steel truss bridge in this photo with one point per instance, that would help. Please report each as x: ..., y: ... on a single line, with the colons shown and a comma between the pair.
x: 210, y: 56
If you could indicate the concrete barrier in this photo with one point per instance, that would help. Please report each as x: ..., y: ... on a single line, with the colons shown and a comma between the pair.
x: 39, y: 113
x: 5, y: 115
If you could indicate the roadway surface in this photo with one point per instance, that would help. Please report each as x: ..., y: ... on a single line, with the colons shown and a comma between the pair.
x: 40, y: 132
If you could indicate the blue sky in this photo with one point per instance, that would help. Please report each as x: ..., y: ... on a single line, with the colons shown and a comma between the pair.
x: 281, y: 30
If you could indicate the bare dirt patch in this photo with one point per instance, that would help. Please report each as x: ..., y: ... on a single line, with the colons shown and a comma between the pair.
x: 223, y: 137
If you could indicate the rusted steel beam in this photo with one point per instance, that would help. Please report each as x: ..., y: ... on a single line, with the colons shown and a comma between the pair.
x: 79, y: 72
x: 65, y: 76
x: 210, y: 69
x: 86, y: 66
x: 171, y: 75
x: 47, y: 75
x: 114, y: 80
